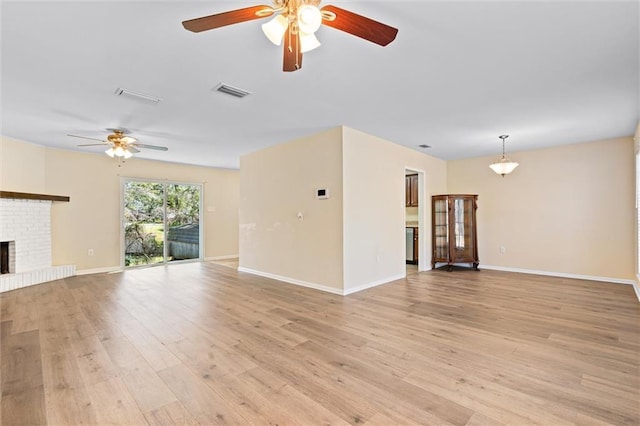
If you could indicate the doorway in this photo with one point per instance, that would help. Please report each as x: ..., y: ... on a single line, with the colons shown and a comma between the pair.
x: 161, y: 222
x: 414, y: 230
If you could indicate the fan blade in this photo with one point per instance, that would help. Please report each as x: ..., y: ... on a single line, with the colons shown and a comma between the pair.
x: 93, y: 144
x: 84, y: 137
x: 227, y: 18
x: 132, y: 149
x: 156, y: 147
x: 360, y: 26
x: 292, y: 60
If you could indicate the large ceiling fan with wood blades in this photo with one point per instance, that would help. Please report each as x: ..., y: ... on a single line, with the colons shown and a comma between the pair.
x: 119, y: 144
x: 295, y: 23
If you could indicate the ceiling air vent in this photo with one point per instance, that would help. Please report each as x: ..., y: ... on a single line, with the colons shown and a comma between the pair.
x: 424, y: 146
x: 140, y: 97
x: 230, y: 90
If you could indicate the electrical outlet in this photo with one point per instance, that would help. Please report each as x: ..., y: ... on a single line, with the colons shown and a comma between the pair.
x: 503, y: 250
x: 90, y: 252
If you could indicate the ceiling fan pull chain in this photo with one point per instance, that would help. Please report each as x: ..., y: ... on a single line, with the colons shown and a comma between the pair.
x: 298, y: 53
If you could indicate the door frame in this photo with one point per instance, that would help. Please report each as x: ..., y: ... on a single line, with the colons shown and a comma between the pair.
x: 200, y: 185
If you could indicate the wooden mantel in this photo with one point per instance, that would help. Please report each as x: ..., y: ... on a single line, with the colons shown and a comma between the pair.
x: 29, y: 196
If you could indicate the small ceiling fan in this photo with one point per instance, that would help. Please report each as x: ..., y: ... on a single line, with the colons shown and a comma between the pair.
x: 296, y: 24
x: 120, y: 146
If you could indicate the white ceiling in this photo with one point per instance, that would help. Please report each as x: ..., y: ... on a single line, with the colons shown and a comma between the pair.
x: 458, y: 75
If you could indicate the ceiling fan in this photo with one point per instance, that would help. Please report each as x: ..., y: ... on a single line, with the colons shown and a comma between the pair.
x: 296, y: 23
x: 120, y: 146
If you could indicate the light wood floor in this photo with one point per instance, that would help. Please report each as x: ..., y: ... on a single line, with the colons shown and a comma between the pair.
x: 202, y: 343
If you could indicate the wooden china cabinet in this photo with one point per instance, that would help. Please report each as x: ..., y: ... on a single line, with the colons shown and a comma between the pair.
x: 454, y: 229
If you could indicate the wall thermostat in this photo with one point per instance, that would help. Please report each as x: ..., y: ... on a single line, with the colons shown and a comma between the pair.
x: 322, y: 193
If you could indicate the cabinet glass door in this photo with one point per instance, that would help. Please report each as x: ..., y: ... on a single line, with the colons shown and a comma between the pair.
x: 463, y: 229
x: 441, y: 228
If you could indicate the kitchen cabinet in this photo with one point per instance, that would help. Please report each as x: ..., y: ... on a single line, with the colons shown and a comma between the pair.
x: 454, y: 229
x: 411, y: 190
x: 412, y: 245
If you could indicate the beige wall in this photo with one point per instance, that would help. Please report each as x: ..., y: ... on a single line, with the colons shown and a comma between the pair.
x: 351, y: 241
x: 275, y: 184
x: 21, y: 166
x: 91, y: 220
x: 374, y: 206
x: 567, y: 209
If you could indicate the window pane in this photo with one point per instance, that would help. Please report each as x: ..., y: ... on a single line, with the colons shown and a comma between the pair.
x: 183, y: 214
x: 144, y: 223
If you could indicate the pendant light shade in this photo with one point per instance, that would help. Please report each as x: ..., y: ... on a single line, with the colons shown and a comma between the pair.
x: 275, y: 29
x: 503, y: 166
x: 308, y: 42
x: 309, y: 19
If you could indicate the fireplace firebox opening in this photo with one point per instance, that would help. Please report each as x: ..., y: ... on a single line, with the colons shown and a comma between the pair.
x: 4, y: 257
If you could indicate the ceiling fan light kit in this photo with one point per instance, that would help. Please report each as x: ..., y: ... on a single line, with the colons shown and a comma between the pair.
x: 503, y: 166
x: 120, y: 146
x: 296, y: 23
x: 119, y: 152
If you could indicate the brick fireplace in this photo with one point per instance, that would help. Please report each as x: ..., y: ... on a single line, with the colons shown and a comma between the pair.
x: 25, y: 241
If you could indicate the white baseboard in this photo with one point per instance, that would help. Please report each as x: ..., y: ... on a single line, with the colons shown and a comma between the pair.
x: 373, y: 284
x: 559, y: 274
x: 292, y: 281
x: 98, y: 270
x: 226, y: 257
x: 321, y: 287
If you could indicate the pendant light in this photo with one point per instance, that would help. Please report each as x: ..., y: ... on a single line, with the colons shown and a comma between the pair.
x: 503, y: 166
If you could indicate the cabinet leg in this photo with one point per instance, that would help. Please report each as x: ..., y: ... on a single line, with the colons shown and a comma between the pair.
x: 475, y: 266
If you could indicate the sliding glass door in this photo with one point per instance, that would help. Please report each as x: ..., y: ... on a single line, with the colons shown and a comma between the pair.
x: 161, y: 222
